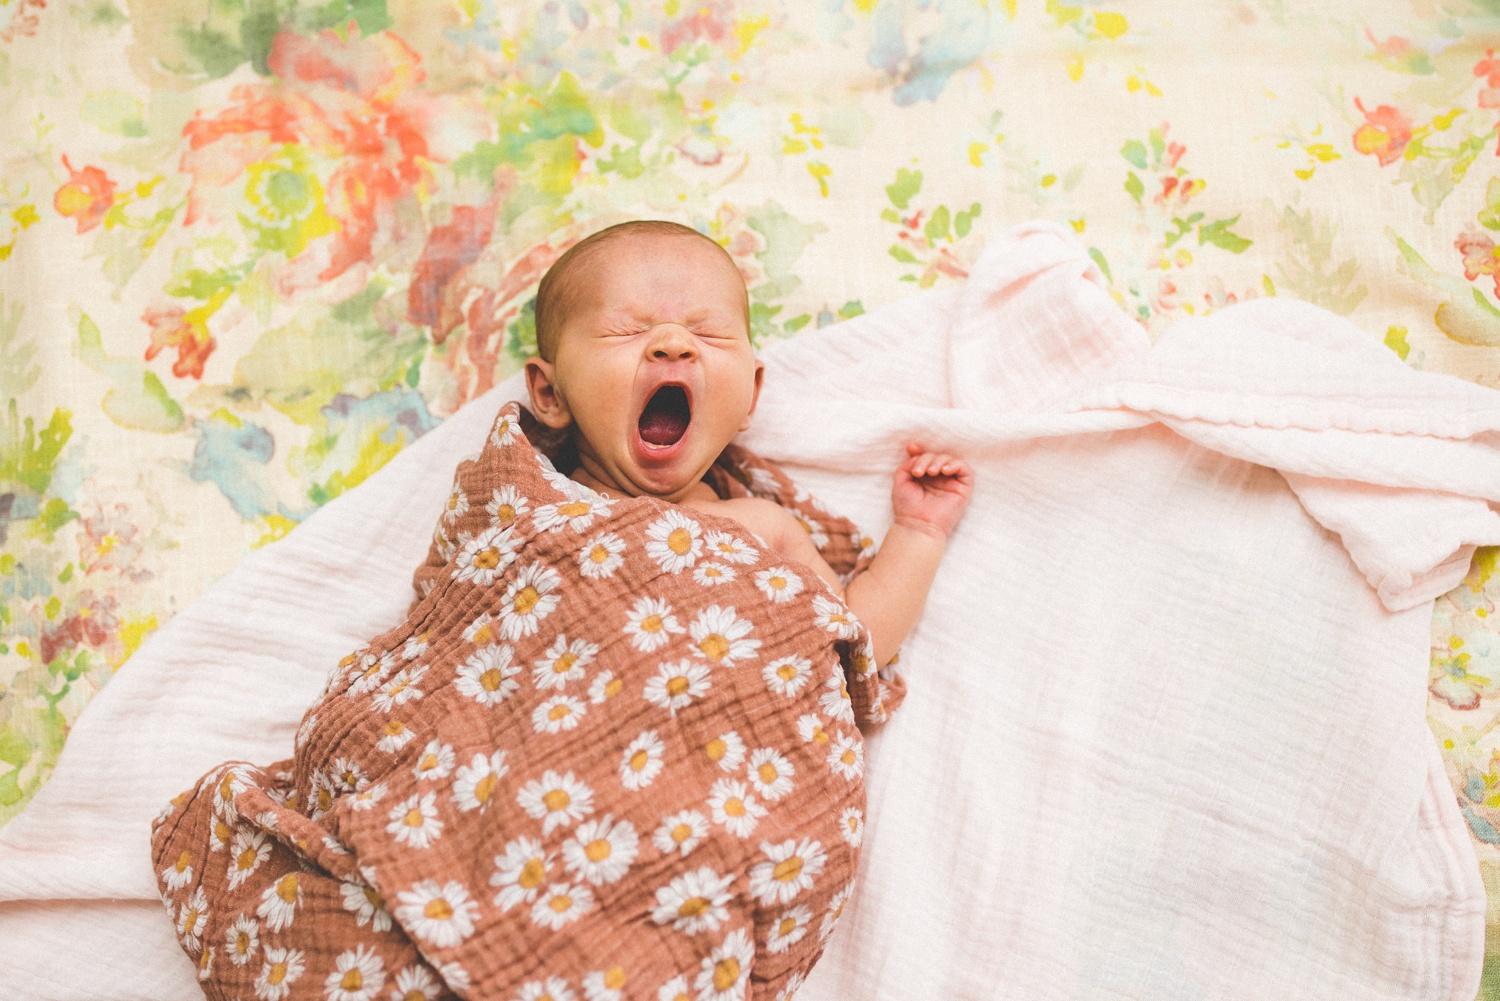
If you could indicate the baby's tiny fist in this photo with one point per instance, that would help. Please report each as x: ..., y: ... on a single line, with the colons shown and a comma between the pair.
x: 932, y: 489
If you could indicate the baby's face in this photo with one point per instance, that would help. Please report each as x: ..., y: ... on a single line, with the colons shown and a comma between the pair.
x: 653, y: 365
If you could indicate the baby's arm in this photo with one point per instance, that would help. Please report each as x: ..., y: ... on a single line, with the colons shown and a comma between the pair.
x: 928, y: 498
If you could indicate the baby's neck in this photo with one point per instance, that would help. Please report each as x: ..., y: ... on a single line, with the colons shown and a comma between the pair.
x: 698, y: 491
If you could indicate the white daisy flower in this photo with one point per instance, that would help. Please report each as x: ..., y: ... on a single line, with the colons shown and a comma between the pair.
x: 528, y: 600
x: 483, y: 630
x: 675, y: 989
x: 726, y: 750
x: 835, y: 700
x: 556, y: 800
x: 605, y: 686
x: 846, y: 756
x: 414, y: 821
x: 835, y: 617
x: 558, y: 713
x: 779, y: 584
x: 488, y: 675
x: 402, y: 688
x: 455, y: 976
x: 551, y: 989
x: 604, y: 985
x: 370, y: 674
x: 574, y: 514
x: 793, y: 984
x: 601, y: 556
x: 206, y: 963
x: 789, y: 929
x: 770, y: 773
x: 305, y: 730
x: 416, y: 983
x: 569, y: 488
x: 813, y: 529
x: 730, y: 804
x: 241, y: 939
x: 835, y: 911
x: 507, y: 505
x: 642, y: 761
x: 787, y: 675
x: 714, y: 574
x: 680, y: 832
x: 725, y: 972
x: 250, y: 849
x: 179, y: 873
x: 601, y: 850
x: 650, y: 624
x: 394, y: 736
x: 763, y: 483
x: 474, y: 785
x: 863, y: 543
x: 852, y: 825
x: 219, y: 833
x: 563, y: 662
x: 721, y: 636
x: 676, y: 684
x: 280, y: 970
x: 357, y: 975
x: 520, y: 872
x: 727, y: 549
x: 561, y: 904
x: 230, y: 784
x: 674, y: 541
x: 810, y: 728
x: 279, y: 902
x: 320, y: 795
x: 485, y: 557
x: 347, y: 776
x: 415, y: 645
x: 445, y: 550
x: 505, y: 431
x: 192, y: 918
x: 366, y: 906
x: 694, y: 901
x: 457, y: 506
x: 435, y: 762
x: 367, y: 797
x: 439, y: 914
x: 789, y: 870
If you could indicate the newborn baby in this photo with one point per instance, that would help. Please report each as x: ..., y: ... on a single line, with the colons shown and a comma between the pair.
x: 612, y: 752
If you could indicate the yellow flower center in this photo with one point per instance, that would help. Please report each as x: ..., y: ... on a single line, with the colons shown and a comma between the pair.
x: 247, y: 858
x: 682, y: 832
x: 560, y: 903
x: 734, y: 807
x: 183, y: 861
x: 353, y: 980
x: 726, y: 973
x: 483, y: 634
x: 277, y: 974
x: 676, y: 686
x: 716, y: 749
x: 680, y: 541
x: 189, y: 920
x: 242, y: 943
x: 572, y: 509
x: 787, y: 869
x: 559, y: 711
x: 373, y: 898
x: 438, y: 909
x: 556, y: 799
x: 413, y: 818
x: 692, y: 907
x: 599, y: 553
x: 429, y: 762
x: 286, y: 888
x: 651, y: 624
x: 613, y: 686
x: 714, y: 646
x: 638, y: 760
x: 597, y: 850
x: 767, y: 773
x: 485, y: 787
x: 490, y: 680
x: 853, y: 824
x: 786, y: 672
x: 394, y: 728
x: 222, y: 830
x: 564, y: 664
x: 532, y: 874
x: 614, y: 978
x: 787, y: 926
x: 487, y: 559
x: 777, y: 582
x: 847, y: 757
x: 505, y: 512
x: 526, y: 599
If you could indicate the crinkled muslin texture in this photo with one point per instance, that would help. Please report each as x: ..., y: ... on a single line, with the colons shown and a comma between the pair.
x: 613, y: 742
x: 1163, y: 733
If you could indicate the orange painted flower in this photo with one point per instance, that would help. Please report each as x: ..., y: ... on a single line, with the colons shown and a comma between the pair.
x: 1480, y: 257
x: 171, y: 327
x: 88, y: 194
x: 1489, y: 69
x: 1385, y: 133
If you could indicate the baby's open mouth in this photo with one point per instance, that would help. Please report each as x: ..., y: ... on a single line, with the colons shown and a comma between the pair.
x: 665, y: 419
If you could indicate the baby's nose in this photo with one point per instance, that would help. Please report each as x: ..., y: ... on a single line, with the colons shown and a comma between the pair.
x: 673, y: 342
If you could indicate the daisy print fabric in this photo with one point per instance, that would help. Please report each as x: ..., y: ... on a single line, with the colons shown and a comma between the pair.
x: 614, y: 751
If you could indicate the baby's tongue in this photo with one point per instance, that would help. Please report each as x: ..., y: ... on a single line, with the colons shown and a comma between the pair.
x: 662, y: 427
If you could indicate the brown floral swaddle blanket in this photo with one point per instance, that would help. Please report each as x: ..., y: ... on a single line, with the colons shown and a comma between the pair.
x: 612, y: 753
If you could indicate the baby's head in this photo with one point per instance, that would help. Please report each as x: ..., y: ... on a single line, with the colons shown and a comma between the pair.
x: 643, y: 339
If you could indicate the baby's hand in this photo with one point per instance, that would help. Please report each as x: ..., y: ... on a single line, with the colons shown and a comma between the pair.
x: 931, y: 490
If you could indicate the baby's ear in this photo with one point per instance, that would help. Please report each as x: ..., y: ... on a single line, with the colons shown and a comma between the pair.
x: 546, y: 403
x: 760, y: 371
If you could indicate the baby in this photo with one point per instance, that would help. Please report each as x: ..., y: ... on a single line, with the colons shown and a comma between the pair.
x: 643, y: 339
x: 613, y: 753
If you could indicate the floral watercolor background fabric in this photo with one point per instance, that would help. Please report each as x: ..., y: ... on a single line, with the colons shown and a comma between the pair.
x: 249, y: 251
